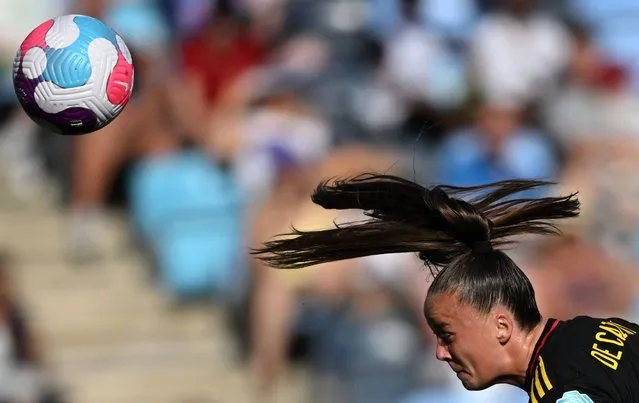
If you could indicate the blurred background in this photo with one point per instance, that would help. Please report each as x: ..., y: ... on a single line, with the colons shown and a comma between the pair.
x: 124, y: 272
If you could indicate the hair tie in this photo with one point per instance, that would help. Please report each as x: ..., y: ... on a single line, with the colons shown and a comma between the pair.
x: 482, y: 247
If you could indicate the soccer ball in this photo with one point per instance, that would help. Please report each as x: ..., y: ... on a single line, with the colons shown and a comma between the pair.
x: 73, y: 74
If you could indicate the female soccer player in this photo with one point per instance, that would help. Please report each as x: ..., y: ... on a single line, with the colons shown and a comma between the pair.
x: 480, y: 305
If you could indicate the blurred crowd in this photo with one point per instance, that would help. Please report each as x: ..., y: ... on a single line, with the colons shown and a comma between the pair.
x: 241, y: 107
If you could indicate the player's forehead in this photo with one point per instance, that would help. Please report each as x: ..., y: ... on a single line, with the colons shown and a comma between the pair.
x: 447, y: 311
x: 443, y: 309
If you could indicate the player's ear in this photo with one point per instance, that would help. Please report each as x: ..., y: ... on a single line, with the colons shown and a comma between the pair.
x: 504, y: 326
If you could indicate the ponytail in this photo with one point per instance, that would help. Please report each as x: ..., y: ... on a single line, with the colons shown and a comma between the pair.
x: 440, y: 223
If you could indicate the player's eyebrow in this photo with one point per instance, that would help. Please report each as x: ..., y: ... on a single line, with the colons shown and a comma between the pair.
x: 436, y: 326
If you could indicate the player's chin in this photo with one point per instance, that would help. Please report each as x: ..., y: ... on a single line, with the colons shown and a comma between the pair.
x: 471, y: 383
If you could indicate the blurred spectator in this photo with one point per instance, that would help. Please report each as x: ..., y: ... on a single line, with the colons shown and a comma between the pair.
x: 518, y: 52
x: 23, y: 375
x: 188, y: 214
x: 212, y: 61
x: 371, y: 108
x: 282, y: 131
x: 594, y: 111
x: 420, y: 64
x: 371, y: 351
x: 20, y: 161
x: 496, y: 147
x: 593, y: 114
x: 614, y: 25
x: 143, y: 128
x: 221, y: 52
x: 589, y: 280
x: 276, y: 293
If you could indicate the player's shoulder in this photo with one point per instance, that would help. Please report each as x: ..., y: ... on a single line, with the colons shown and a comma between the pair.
x: 571, y: 334
x: 568, y: 336
x: 588, y: 355
x: 607, y: 342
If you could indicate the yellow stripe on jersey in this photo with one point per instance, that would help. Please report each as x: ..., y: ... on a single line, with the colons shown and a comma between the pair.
x: 537, y: 389
x: 533, y: 399
x: 544, y: 375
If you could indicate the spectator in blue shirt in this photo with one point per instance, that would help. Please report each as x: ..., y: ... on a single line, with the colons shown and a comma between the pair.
x: 497, y: 146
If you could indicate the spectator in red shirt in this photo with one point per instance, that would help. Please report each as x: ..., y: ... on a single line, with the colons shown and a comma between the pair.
x: 209, y: 94
x: 221, y: 52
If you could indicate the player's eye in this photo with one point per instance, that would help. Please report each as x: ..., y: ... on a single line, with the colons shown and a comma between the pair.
x: 446, y: 338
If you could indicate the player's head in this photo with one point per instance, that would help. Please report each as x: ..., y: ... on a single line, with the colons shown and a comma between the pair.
x: 480, y: 305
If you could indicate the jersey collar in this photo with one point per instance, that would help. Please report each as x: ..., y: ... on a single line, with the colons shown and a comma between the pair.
x: 551, y: 324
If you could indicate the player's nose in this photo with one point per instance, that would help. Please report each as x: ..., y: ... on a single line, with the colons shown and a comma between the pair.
x: 441, y: 351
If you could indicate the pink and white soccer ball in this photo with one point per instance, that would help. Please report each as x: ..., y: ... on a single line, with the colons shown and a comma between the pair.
x: 73, y: 74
